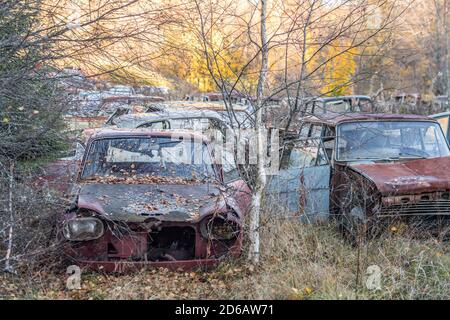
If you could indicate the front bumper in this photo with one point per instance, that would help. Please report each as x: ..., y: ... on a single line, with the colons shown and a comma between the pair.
x: 127, y: 266
x: 134, y: 252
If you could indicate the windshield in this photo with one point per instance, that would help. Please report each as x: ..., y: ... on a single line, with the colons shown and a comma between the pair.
x: 342, y: 105
x: 339, y: 106
x: 385, y: 140
x: 147, y: 157
x: 196, y: 124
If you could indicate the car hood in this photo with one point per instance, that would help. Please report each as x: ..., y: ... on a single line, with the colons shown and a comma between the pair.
x: 141, y: 202
x: 409, y: 177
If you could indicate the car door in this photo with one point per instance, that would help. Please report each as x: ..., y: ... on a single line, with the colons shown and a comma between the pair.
x: 302, y: 186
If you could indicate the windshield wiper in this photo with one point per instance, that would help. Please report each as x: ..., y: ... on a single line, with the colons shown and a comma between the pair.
x: 411, y: 155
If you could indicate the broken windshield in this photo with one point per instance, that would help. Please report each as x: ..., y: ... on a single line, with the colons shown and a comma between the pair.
x: 147, y: 157
x: 390, y: 140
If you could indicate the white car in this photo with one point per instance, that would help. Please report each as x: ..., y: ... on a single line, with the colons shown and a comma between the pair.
x: 121, y: 91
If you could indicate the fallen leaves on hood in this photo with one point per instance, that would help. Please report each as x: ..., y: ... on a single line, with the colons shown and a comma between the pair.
x: 141, y: 180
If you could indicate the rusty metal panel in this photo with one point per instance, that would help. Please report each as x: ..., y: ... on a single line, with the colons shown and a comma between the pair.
x: 316, y: 192
x: 301, y: 191
x: 411, y: 177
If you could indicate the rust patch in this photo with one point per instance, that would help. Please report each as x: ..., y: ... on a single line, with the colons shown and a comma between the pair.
x: 410, y: 177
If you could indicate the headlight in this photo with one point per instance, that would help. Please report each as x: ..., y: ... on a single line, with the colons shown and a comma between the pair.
x: 219, y: 228
x: 83, y: 229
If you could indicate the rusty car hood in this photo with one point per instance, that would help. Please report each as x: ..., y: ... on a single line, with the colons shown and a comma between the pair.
x: 141, y: 202
x: 409, y: 177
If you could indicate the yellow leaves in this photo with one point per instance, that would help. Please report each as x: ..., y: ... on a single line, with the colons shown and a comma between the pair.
x: 5, y: 120
x: 398, y: 228
x: 225, y: 61
x: 308, y: 291
x: 297, y: 294
x: 338, y: 67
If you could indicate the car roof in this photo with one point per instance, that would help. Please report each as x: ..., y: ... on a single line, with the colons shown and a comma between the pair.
x: 133, y: 97
x: 442, y: 114
x: 334, y: 119
x: 196, y: 105
x: 118, y: 133
x: 337, y: 98
x: 171, y: 115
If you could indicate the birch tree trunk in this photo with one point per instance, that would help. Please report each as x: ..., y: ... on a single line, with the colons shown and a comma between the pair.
x: 8, y: 266
x: 447, y: 49
x: 260, y: 184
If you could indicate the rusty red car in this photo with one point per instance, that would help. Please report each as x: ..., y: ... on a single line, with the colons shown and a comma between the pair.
x: 368, y: 171
x: 152, y: 198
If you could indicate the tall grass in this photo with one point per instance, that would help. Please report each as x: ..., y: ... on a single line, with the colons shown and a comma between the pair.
x: 298, y: 261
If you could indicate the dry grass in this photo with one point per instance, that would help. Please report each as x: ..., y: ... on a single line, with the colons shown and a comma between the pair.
x: 298, y: 262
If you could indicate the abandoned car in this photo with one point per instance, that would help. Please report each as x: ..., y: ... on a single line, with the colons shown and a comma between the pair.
x: 110, y: 108
x: 153, y: 198
x: 197, y: 120
x: 275, y: 117
x: 364, y: 169
x: 339, y: 104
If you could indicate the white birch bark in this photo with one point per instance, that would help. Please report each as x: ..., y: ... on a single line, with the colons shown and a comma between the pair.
x: 254, y: 252
x: 8, y: 267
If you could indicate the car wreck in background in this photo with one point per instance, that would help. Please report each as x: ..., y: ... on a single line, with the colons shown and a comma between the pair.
x: 110, y: 108
x: 339, y: 105
x: 235, y: 98
x: 197, y: 120
x: 367, y: 171
x: 152, y: 198
x: 276, y: 115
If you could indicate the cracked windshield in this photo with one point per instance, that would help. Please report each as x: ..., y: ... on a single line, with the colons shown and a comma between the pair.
x: 390, y: 140
x: 148, y: 157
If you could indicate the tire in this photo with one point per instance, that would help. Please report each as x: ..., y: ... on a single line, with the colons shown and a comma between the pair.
x: 355, y: 226
x: 355, y: 223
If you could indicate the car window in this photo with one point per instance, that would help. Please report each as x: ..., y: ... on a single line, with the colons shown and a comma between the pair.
x: 318, y: 107
x: 339, y: 106
x: 316, y: 131
x: 329, y: 138
x: 328, y: 132
x: 309, y: 108
x: 304, y: 131
x: 230, y: 170
x: 158, y: 125
x: 364, y: 105
x: 196, y: 124
x: 303, y: 154
x: 431, y: 140
x: 443, y: 121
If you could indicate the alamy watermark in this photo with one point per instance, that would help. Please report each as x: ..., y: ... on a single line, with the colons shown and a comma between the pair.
x: 235, y: 147
x: 73, y: 282
x: 373, y: 281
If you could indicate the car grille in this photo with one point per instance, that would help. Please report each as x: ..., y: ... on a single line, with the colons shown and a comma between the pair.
x: 422, y: 208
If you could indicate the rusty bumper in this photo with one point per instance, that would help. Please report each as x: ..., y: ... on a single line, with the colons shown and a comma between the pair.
x: 127, y: 266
